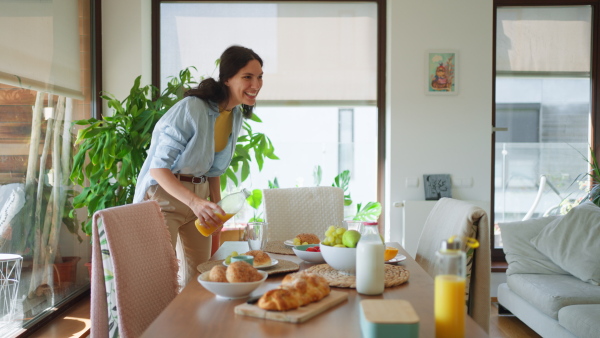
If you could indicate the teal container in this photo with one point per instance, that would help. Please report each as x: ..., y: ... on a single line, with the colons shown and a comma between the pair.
x: 384, y: 318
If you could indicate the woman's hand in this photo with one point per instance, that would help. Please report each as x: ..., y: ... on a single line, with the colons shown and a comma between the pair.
x: 203, y: 209
x: 206, y: 212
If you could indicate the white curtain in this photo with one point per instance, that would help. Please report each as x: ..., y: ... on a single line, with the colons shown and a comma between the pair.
x: 40, y: 46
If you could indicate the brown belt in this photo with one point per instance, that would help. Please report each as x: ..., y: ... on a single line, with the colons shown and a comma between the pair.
x: 192, y: 179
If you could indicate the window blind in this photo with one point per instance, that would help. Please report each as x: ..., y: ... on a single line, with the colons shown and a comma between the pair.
x: 40, y: 46
x: 311, y: 51
x: 544, y: 39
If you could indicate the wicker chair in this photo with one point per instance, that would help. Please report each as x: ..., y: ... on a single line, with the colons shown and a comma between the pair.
x: 134, y: 269
x: 302, y: 210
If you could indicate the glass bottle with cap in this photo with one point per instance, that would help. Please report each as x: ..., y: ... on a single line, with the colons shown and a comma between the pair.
x: 450, y: 301
x: 370, y: 271
x: 231, y: 204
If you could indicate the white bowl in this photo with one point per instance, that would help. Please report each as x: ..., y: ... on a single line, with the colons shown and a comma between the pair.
x: 341, y: 259
x: 309, y: 256
x: 230, y: 290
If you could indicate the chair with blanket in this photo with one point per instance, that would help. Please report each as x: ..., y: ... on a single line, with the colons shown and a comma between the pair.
x: 292, y: 211
x: 453, y: 217
x: 134, y: 269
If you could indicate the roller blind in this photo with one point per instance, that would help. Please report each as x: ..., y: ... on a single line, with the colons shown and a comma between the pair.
x: 40, y: 46
x: 544, y: 39
x: 311, y: 51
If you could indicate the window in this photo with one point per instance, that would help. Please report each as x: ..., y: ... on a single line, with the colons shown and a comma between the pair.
x: 45, y: 83
x: 321, y: 99
x: 543, y: 109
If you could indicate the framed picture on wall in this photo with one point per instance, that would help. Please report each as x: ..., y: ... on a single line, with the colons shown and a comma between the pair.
x: 437, y: 186
x: 442, y: 72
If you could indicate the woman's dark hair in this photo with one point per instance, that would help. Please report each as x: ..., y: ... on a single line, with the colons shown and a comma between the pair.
x: 233, y: 59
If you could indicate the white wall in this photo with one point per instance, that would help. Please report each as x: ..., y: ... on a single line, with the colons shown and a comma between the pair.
x: 437, y: 134
x: 126, y: 45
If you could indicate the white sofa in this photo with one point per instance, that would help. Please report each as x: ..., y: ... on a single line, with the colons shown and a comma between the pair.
x: 554, y: 272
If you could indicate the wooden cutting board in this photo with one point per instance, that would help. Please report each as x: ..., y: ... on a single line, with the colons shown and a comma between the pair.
x: 299, y: 315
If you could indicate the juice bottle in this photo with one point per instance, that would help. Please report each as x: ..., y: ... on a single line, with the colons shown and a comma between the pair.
x: 450, y: 302
x: 231, y: 204
x: 370, y: 271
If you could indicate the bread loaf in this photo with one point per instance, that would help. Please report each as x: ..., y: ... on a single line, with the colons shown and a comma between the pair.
x: 308, y: 238
x: 261, y: 258
x: 218, y: 274
x: 242, y: 272
x: 296, y: 290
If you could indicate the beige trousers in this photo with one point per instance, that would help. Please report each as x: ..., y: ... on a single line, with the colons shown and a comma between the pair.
x: 194, y: 248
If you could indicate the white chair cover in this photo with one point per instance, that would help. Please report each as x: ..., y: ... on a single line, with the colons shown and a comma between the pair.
x: 453, y: 217
x: 292, y: 211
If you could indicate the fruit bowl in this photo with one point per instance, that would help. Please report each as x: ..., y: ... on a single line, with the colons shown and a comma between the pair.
x: 341, y: 259
x: 230, y: 290
x: 311, y: 257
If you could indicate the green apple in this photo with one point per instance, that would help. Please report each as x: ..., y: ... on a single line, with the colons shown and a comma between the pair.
x: 350, y: 238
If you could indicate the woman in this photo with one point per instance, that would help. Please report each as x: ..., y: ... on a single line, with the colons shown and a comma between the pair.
x: 192, y: 146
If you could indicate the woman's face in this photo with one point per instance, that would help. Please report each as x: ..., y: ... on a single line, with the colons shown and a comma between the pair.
x: 245, y: 85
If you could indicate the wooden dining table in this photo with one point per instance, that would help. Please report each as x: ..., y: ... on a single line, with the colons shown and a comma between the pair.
x: 196, y: 312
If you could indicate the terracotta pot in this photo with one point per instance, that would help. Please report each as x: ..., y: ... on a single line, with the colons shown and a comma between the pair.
x: 66, y: 272
x: 89, y: 266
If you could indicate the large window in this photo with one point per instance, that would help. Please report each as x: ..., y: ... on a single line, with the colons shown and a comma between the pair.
x: 319, y: 103
x: 543, y: 110
x: 45, y: 83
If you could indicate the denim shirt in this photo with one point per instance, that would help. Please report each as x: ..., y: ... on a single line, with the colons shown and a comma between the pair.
x: 183, y: 141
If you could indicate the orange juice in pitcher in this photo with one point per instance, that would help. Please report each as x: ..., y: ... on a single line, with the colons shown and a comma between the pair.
x: 231, y: 204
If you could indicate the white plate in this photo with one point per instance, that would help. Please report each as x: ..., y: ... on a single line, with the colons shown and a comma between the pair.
x: 398, y: 258
x: 289, y: 242
x: 273, y: 263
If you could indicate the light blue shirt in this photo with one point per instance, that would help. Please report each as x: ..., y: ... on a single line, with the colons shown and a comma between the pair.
x: 183, y: 141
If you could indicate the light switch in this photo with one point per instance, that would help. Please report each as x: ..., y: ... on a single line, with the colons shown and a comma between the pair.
x: 412, y: 182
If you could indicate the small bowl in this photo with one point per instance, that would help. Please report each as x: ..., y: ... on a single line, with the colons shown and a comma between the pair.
x: 230, y: 290
x: 309, y: 256
x: 341, y: 259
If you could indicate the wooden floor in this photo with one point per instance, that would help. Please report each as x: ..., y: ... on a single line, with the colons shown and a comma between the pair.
x: 508, y: 326
x: 76, y: 323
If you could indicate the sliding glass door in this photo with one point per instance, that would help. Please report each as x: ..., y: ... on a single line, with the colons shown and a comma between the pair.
x: 543, y: 88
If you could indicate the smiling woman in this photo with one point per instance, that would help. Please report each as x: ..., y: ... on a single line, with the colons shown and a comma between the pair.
x: 192, y: 146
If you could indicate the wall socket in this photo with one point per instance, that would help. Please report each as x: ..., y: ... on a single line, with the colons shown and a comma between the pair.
x: 462, y: 182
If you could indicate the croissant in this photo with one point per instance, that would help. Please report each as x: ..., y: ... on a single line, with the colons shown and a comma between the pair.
x: 296, y: 290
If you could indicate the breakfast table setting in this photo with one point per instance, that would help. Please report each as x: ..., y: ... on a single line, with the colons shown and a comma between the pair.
x: 204, y: 308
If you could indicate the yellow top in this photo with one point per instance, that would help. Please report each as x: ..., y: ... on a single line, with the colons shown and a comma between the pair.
x: 223, y: 126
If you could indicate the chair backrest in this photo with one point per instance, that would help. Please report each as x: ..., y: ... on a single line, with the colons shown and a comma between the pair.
x: 453, y: 217
x: 292, y: 211
x: 134, y: 269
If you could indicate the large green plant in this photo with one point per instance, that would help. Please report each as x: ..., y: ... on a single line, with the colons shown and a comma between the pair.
x: 111, y: 151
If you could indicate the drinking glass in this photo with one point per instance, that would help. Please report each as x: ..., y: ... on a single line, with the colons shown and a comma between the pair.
x: 354, y: 225
x: 256, y: 235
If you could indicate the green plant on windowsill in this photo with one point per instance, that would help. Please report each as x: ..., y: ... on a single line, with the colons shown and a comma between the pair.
x: 591, y: 179
x: 588, y: 181
x: 112, y: 150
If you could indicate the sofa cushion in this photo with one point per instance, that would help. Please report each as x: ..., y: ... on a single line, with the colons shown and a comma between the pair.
x: 581, y: 320
x: 521, y: 255
x: 550, y: 293
x: 572, y: 242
